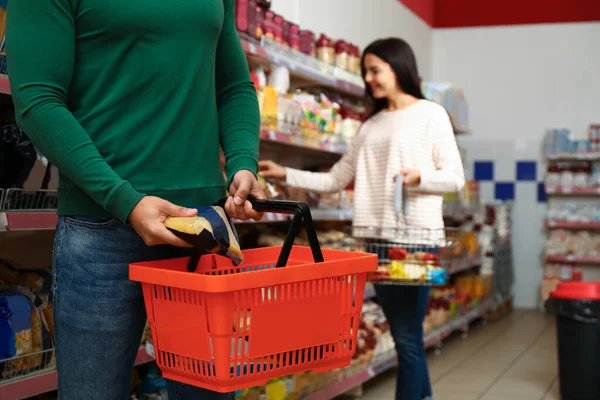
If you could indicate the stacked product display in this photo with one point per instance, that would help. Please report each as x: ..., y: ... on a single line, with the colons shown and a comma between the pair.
x: 573, y: 217
x: 26, y: 322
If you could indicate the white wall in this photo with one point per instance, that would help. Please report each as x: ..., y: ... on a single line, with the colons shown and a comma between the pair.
x: 518, y: 82
x: 364, y: 21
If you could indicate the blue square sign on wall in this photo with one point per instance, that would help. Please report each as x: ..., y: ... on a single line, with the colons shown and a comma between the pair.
x: 483, y: 170
x: 504, y: 191
x: 526, y: 171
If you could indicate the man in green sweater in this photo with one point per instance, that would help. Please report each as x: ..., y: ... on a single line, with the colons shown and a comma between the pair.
x: 132, y: 102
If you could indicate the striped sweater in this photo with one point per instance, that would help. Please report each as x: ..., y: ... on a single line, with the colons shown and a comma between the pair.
x: 418, y: 136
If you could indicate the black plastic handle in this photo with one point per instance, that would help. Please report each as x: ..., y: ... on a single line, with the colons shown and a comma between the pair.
x: 302, y: 216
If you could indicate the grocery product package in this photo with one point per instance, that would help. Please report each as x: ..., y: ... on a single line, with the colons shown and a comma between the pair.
x: 26, y: 331
x: 15, y: 325
x: 210, y: 230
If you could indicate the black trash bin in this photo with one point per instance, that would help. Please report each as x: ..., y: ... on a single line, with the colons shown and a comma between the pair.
x: 577, y: 309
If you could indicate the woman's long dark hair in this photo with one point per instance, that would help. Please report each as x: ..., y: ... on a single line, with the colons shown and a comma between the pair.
x: 399, y: 55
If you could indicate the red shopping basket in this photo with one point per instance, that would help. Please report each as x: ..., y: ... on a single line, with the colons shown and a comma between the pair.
x: 227, y: 328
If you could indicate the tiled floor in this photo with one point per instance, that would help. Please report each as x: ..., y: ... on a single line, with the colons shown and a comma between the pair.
x: 513, y: 358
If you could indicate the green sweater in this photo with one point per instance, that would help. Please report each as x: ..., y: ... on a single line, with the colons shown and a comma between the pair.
x: 133, y: 98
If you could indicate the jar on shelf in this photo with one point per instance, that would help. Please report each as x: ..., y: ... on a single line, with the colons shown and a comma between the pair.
x: 255, y: 20
x: 269, y: 25
x: 567, y: 177
x: 352, y: 59
x: 307, y: 43
x: 553, y: 176
x: 581, y: 177
x: 341, y: 54
x: 294, y: 37
x: 325, y: 50
x: 278, y: 28
x: 241, y: 15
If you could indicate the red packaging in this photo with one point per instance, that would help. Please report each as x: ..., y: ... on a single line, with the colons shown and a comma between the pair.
x: 307, y: 43
x: 255, y: 20
x: 278, y: 28
x: 353, y: 59
x: 292, y: 36
x: 325, y: 50
x: 341, y: 55
x: 241, y: 15
x: 269, y: 25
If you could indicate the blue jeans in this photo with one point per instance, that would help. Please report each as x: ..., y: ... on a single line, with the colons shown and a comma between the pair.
x: 404, y: 308
x: 99, y: 313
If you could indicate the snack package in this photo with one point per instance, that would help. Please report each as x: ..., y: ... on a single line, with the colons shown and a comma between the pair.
x: 209, y: 230
x: 15, y: 333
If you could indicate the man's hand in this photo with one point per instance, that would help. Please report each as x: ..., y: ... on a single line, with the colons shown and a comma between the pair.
x: 412, y: 177
x: 148, y: 217
x: 243, y: 184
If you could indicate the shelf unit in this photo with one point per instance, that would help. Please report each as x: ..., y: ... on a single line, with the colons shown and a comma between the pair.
x: 44, y: 381
x: 4, y: 85
x: 572, y: 225
x: 563, y: 226
x: 385, y: 362
x: 573, y: 259
x: 573, y: 191
x: 589, y: 156
x: 306, y: 68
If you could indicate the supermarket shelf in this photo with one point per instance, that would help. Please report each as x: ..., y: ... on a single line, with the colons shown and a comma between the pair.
x: 591, y: 156
x: 574, y: 191
x: 436, y: 336
x: 553, y: 224
x: 325, y: 146
x: 305, y: 67
x: 431, y: 339
x: 463, y: 264
x: 45, y: 381
x: 46, y: 220
x: 27, y: 220
x: 4, y: 85
x: 572, y: 259
x: 460, y: 213
x: 318, y: 214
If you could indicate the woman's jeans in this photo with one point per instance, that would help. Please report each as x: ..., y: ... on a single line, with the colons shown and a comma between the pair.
x: 404, y: 308
x: 99, y: 313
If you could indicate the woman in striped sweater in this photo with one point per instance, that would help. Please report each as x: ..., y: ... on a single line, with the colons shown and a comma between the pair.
x: 406, y: 136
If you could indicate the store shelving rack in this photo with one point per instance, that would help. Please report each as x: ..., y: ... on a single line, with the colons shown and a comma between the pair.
x: 556, y: 195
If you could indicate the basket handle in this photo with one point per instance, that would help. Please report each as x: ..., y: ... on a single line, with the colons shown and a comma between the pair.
x: 302, y: 215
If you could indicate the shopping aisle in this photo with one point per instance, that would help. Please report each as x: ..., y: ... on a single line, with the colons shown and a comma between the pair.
x: 513, y: 358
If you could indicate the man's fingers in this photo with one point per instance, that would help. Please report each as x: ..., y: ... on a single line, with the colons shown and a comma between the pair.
x: 164, y: 236
x: 231, y: 209
x: 241, y: 194
x: 173, y: 210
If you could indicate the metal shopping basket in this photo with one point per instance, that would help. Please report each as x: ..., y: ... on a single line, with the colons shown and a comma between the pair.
x: 285, y: 310
x: 411, y: 256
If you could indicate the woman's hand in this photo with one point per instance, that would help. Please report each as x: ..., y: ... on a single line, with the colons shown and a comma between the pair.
x: 269, y: 169
x: 244, y: 184
x: 148, y: 217
x: 412, y: 177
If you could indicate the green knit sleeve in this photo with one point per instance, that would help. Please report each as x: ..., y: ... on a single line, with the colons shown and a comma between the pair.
x: 40, y: 43
x: 239, y: 117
